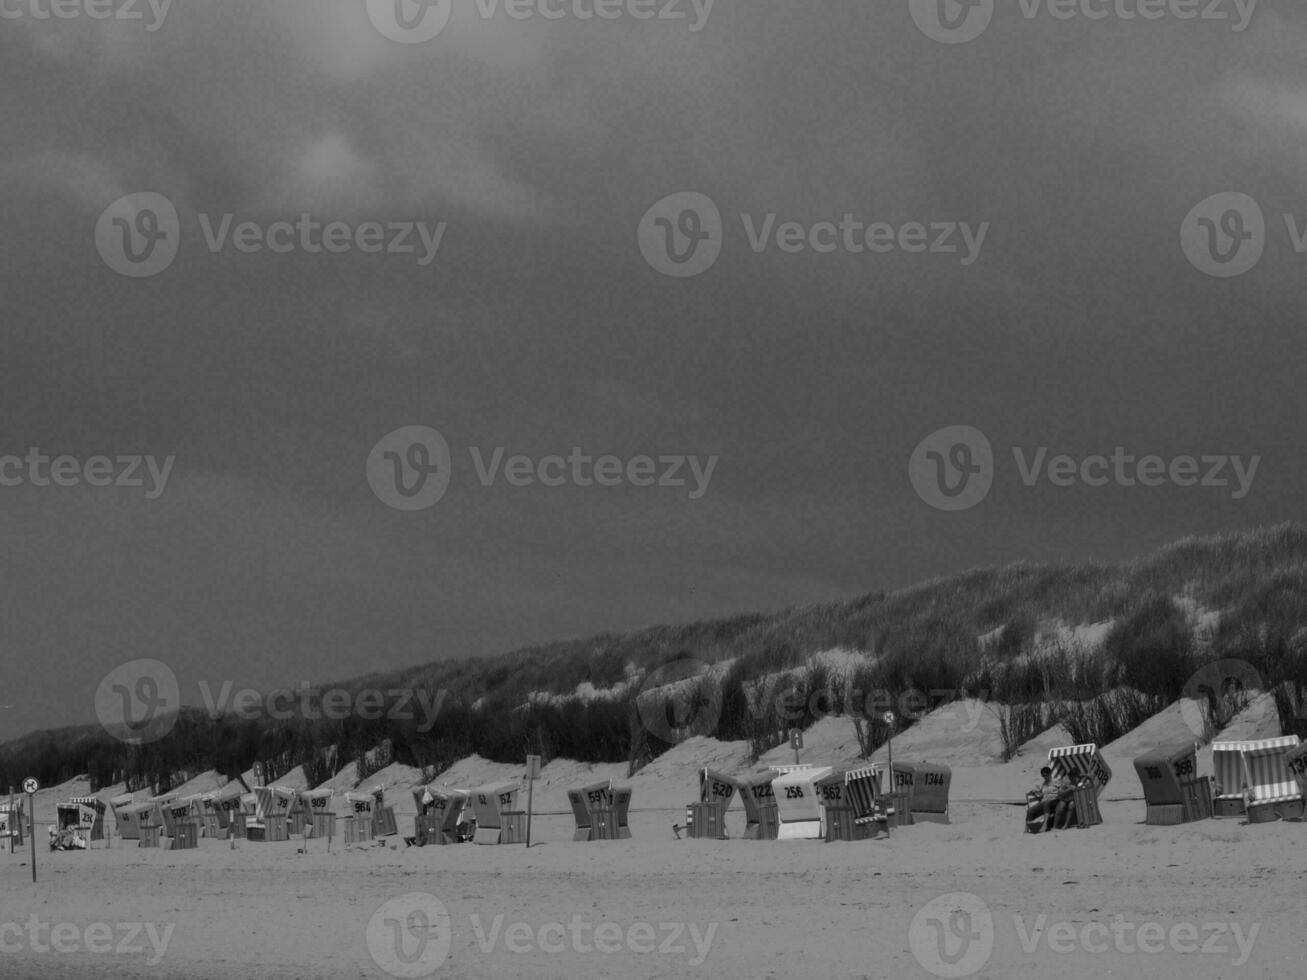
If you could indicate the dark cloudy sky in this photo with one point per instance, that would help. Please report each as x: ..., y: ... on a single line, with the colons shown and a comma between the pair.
x: 539, y: 326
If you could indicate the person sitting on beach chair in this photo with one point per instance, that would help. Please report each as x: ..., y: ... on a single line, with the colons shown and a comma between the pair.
x: 1049, y: 803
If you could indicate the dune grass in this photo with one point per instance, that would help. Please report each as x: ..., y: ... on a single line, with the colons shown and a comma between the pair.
x: 1002, y: 634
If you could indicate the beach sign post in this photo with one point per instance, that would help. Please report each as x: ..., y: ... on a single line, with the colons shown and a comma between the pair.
x: 796, y: 742
x: 532, y: 774
x: 30, y: 786
x: 11, y: 817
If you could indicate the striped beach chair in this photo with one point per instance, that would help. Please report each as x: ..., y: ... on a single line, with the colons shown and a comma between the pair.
x: 1231, y: 776
x: 1080, y: 762
x: 862, y: 789
x: 1273, y: 792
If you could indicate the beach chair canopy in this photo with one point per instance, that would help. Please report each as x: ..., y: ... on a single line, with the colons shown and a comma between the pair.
x: 716, y: 787
x: 585, y: 798
x: 94, y: 802
x: 1162, y: 770
x: 273, y: 803
x: 492, y: 799
x: 75, y: 816
x: 360, y: 805
x: 315, y: 801
x: 831, y: 789
x: 1081, y: 761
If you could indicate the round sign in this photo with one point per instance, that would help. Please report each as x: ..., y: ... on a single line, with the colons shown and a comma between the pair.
x: 889, y: 717
x: 30, y: 786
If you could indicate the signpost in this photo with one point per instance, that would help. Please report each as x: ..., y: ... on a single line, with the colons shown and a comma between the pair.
x: 12, y: 818
x: 30, y: 786
x: 532, y: 774
x: 796, y: 743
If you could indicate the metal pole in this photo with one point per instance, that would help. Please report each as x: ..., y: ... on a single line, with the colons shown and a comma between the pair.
x: 13, y: 820
x: 530, y: 799
x: 31, y: 805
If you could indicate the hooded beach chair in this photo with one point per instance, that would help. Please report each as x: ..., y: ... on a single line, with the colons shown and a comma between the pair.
x: 929, y: 784
x: 126, y: 816
x: 1273, y: 792
x: 610, y: 821
x: 1086, y: 767
x: 490, y: 804
x: 96, y: 830
x: 798, y: 805
x: 583, y: 800
x: 440, y: 813
x: 313, y: 813
x: 272, y: 806
x: 359, y: 816
x: 837, y: 809
x: 707, y: 818
x: 1168, y: 775
x: 72, y: 827
x: 759, y: 801
x: 871, y: 807
x: 11, y: 822
x: 181, y: 810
